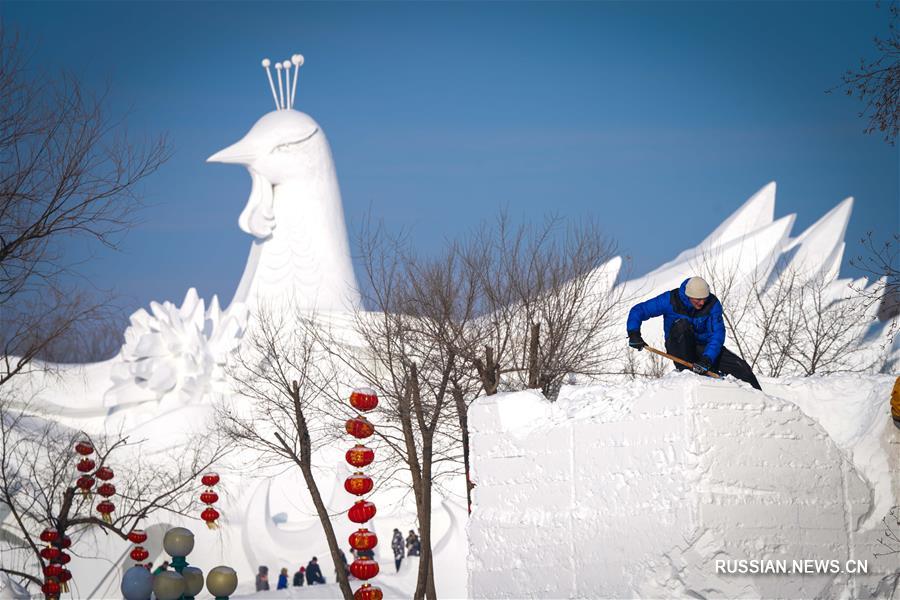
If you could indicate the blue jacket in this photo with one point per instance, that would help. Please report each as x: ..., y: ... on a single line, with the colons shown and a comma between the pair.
x: 708, y: 324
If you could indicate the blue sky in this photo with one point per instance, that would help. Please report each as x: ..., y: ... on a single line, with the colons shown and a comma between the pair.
x: 658, y: 119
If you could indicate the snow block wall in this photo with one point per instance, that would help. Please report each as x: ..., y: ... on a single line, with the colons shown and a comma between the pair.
x: 638, y: 489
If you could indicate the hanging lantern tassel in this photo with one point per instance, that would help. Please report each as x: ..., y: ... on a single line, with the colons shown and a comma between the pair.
x: 105, y: 508
x: 210, y: 515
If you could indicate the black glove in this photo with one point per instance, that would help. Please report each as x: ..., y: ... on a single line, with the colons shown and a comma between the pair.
x: 702, y: 365
x: 635, y: 340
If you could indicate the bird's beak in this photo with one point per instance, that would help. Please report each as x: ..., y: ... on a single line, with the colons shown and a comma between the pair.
x: 240, y: 153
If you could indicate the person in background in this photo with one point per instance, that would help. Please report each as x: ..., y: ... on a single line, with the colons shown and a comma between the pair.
x: 262, y: 579
x: 299, y: 576
x: 163, y: 567
x: 282, y: 579
x: 149, y: 566
x: 314, y: 572
x: 398, y: 548
x: 343, y: 563
x: 413, y: 544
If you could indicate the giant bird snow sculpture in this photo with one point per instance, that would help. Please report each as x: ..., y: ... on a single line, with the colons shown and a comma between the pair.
x: 300, y: 254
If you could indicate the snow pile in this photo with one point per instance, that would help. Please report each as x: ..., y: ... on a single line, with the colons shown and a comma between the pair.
x: 639, y: 489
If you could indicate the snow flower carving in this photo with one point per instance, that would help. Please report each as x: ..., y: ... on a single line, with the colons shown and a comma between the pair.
x: 176, y: 352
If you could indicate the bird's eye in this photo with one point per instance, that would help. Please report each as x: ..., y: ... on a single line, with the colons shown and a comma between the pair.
x: 293, y: 145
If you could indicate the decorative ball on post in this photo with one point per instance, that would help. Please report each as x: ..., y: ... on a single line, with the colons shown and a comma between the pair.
x: 137, y: 583
x: 168, y: 585
x: 221, y: 582
x: 193, y: 581
x: 178, y: 542
x: 360, y: 456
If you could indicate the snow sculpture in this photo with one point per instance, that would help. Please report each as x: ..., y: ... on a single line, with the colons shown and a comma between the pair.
x: 301, y: 253
x: 176, y: 351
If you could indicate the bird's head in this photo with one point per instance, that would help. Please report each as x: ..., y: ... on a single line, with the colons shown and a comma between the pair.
x: 276, y: 147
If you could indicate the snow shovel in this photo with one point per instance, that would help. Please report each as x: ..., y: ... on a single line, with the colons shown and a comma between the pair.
x: 680, y: 361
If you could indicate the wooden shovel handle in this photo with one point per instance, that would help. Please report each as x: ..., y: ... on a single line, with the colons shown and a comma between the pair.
x: 680, y: 361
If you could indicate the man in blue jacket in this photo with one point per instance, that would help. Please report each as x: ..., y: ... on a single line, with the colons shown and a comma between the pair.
x: 694, y: 328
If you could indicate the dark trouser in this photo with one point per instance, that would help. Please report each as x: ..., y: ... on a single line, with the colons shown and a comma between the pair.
x: 681, y: 343
x: 397, y: 562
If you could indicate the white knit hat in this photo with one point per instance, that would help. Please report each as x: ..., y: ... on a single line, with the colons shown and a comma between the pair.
x: 696, y: 288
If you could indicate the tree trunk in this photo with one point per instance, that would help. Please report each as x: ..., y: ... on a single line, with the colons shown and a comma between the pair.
x: 534, y: 379
x: 462, y: 413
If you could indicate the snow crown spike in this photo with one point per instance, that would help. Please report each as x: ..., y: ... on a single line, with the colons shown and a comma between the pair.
x: 284, y: 96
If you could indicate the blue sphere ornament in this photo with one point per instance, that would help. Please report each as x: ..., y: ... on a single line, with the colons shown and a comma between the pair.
x: 137, y: 584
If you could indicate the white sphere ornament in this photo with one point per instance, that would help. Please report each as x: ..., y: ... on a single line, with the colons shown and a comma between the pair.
x: 193, y: 580
x: 178, y: 541
x: 137, y: 583
x: 266, y: 62
x: 297, y: 59
x: 221, y: 581
x: 168, y: 585
x: 286, y: 64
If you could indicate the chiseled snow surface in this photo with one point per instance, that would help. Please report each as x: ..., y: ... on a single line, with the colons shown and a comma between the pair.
x: 636, y: 489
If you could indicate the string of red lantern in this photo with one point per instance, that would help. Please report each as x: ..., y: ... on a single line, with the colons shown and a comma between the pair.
x: 137, y: 537
x: 360, y: 484
x: 106, y: 490
x: 210, y: 497
x: 55, y: 574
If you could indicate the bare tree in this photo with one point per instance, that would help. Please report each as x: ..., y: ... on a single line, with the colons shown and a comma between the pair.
x: 881, y: 262
x: 67, y: 172
x: 783, y: 321
x: 546, y: 305
x: 877, y: 82
x: 284, y: 421
x: 38, y: 485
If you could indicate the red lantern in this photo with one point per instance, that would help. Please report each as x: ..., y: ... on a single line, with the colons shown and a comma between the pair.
x: 49, y: 535
x: 210, y: 515
x: 138, y: 554
x: 363, y: 399
x: 210, y: 479
x: 50, y: 552
x: 63, y: 558
x: 358, y: 484
x: 52, y: 570
x: 65, y: 576
x: 209, y: 497
x: 137, y: 536
x: 50, y: 588
x: 84, y: 448
x: 106, y: 490
x: 363, y: 539
x: 85, y: 483
x: 359, y: 456
x: 105, y: 508
x: 361, y: 511
x: 85, y: 465
x: 104, y: 473
x: 65, y: 542
x: 368, y: 592
x: 364, y: 568
x: 359, y: 427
